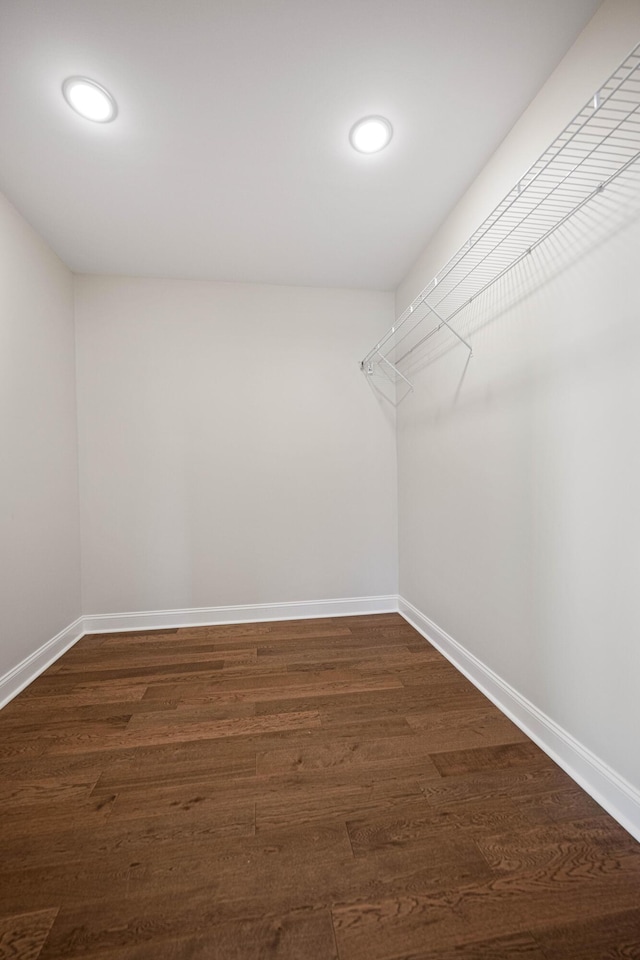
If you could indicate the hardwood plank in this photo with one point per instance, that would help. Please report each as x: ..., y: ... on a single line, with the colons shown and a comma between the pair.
x: 496, y: 948
x: 44, y: 712
x: 398, y: 927
x: 22, y: 936
x: 142, y: 734
x: 288, y: 937
x: 81, y: 766
x: 380, y: 653
x: 567, y: 803
x: 418, y: 821
x: 81, y: 694
x: 305, y: 801
x: 134, y: 838
x: 366, y: 620
x: 42, y: 792
x: 456, y: 762
x: 486, y: 785
x: 64, y: 883
x: 502, y: 907
x: 25, y: 750
x: 363, y: 729
x: 232, y: 631
x: 127, y: 673
x: 569, y: 845
x: 262, y: 878
x: 179, y: 763
x: 390, y: 753
x: 366, y: 700
x: 143, y: 731
x: 147, y: 663
x: 614, y: 936
x: 199, y: 800
x: 35, y: 820
x: 186, y: 712
x: 159, y: 931
x: 466, y: 729
x: 124, y: 636
x: 42, y: 839
x: 264, y: 686
x: 90, y: 730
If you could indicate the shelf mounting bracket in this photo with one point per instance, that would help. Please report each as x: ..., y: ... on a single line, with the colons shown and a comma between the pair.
x: 446, y: 324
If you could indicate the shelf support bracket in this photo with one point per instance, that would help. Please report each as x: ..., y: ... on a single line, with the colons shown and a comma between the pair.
x: 395, y: 370
x: 379, y: 359
x: 446, y: 324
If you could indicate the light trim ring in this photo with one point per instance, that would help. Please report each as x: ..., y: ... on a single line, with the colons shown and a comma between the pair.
x: 90, y: 99
x: 370, y: 134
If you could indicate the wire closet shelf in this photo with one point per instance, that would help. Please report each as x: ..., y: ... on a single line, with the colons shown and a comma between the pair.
x: 600, y: 143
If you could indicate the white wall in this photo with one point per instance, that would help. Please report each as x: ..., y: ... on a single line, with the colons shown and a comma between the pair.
x: 230, y: 451
x: 519, y: 517
x: 39, y: 521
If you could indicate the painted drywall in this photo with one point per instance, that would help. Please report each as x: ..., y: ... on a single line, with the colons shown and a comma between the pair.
x: 519, y: 527
x: 39, y: 522
x: 230, y: 450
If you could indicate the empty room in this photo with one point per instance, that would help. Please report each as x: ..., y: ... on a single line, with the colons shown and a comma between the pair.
x: 319, y: 525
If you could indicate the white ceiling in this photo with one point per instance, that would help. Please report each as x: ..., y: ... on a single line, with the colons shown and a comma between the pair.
x: 229, y: 158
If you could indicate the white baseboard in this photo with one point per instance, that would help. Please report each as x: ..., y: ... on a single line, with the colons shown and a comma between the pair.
x: 32, y: 666
x: 245, y: 613
x: 608, y: 788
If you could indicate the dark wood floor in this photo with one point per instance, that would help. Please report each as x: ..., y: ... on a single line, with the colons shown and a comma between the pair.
x: 303, y: 790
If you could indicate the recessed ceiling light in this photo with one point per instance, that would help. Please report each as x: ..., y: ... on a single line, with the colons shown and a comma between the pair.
x: 89, y: 99
x: 370, y: 134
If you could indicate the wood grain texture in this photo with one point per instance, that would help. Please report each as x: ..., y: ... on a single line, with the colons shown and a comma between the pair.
x: 308, y: 790
x: 22, y: 937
